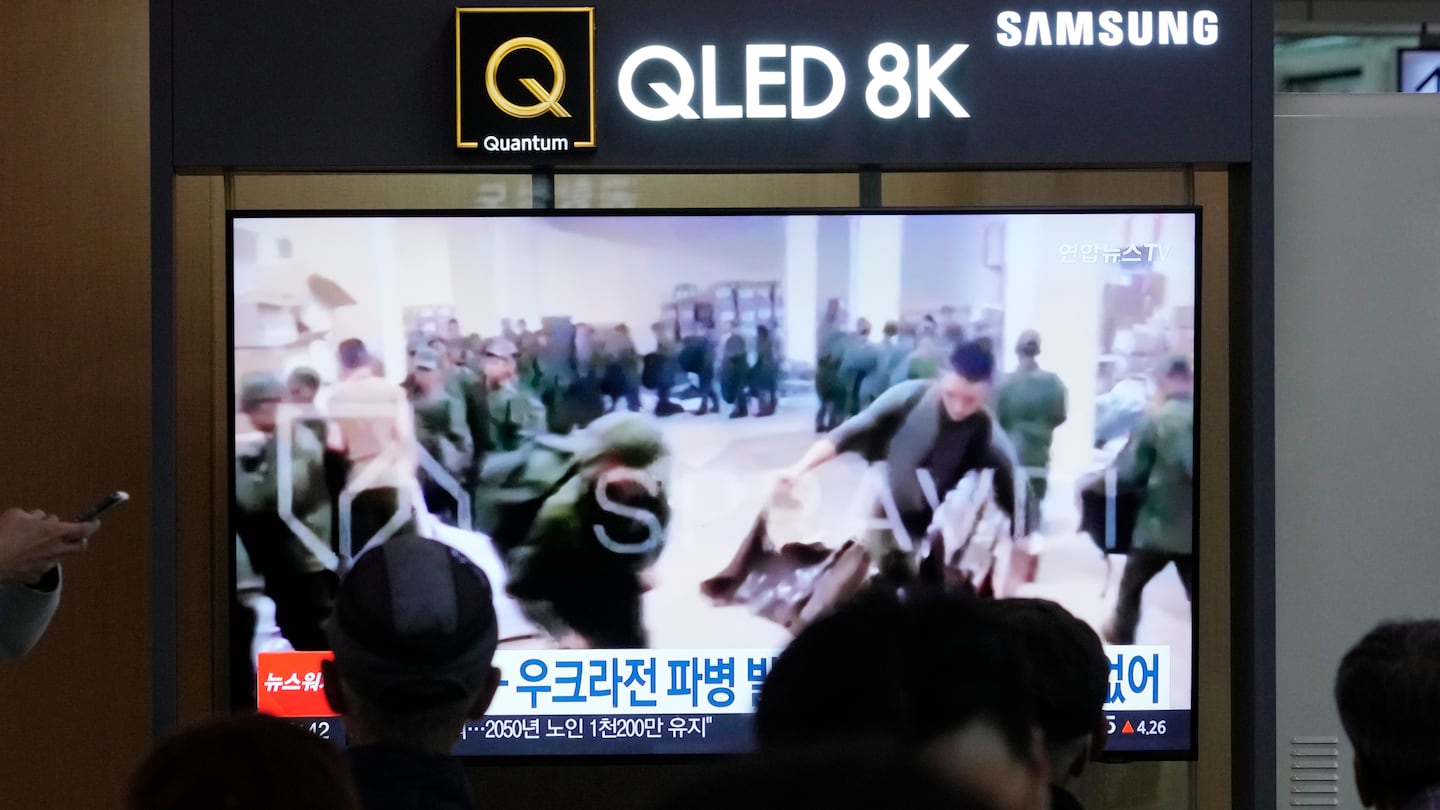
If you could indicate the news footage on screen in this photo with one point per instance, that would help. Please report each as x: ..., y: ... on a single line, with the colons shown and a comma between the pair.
x: 674, y: 440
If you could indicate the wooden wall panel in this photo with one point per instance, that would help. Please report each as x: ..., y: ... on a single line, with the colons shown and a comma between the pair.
x: 75, y: 282
x: 707, y: 190
x: 361, y: 191
x: 1211, y: 189
x: 1080, y: 187
x: 200, y: 445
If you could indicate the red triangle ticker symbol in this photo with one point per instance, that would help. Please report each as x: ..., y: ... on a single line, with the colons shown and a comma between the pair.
x: 1128, y: 729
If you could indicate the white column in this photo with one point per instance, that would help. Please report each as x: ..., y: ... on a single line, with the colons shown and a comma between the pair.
x: 392, y: 349
x: 1064, y: 302
x: 875, y: 243
x: 801, y: 288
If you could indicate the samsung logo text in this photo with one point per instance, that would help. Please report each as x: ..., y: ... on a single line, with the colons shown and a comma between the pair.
x: 1110, y: 29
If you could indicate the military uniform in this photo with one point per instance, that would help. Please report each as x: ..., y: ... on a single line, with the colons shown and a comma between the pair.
x: 765, y: 374
x: 896, y: 362
x: 296, y: 580
x: 697, y: 356
x: 441, y: 429
x: 860, y: 360
x: 661, y: 369
x: 1030, y: 405
x: 555, y: 374
x: 511, y: 415
x: 622, y: 372
x: 1160, y: 462
x: 829, y: 385
x: 924, y: 363
x: 877, y: 380
x: 582, y: 401
x: 734, y: 373
x: 527, y: 354
x: 574, y: 565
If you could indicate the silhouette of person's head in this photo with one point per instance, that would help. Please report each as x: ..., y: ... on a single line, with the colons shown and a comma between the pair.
x: 252, y: 762
x: 414, y: 631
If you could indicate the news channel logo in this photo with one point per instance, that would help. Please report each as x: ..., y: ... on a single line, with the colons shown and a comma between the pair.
x: 525, y: 79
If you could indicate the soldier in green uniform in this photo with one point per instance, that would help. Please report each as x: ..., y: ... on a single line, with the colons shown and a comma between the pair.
x: 528, y: 345
x: 441, y: 429
x: 858, y: 362
x: 662, y: 367
x: 554, y: 375
x: 735, y: 371
x: 584, y: 400
x: 829, y: 384
x: 1030, y: 405
x: 698, y: 356
x: 1159, y: 462
x: 510, y: 413
x: 296, y: 580
x: 924, y: 363
x: 622, y: 370
x: 765, y: 373
x: 897, y: 363
x: 886, y: 358
x: 580, y: 519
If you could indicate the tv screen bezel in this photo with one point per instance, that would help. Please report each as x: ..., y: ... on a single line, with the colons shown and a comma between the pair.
x: 1400, y: 68
x: 232, y: 216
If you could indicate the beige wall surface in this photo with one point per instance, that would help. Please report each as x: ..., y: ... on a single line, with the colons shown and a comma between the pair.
x: 75, y: 282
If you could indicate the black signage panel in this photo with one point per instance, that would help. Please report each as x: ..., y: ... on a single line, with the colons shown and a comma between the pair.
x: 525, y: 79
x: 747, y: 83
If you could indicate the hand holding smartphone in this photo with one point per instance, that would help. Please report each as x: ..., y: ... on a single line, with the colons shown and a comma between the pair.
x: 102, y: 506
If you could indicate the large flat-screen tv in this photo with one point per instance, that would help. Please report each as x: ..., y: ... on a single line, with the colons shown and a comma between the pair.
x: 1418, y: 70
x: 463, y: 374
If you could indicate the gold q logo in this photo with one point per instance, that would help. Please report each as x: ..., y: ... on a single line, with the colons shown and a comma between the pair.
x: 546, y: 101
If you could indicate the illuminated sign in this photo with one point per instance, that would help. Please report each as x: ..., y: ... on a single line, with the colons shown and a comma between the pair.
x: 1110, y: 29
x: 525, y: 79
x: 892, y: 89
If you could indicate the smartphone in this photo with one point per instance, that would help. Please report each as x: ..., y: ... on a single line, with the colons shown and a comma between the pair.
x: 102, y: 506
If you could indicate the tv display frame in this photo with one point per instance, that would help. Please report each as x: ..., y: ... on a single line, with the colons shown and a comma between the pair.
x: 1405, y: 84
x: 1188, y: 751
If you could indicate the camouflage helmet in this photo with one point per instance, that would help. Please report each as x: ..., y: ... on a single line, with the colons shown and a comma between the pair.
x: 631, y: 438
x: 260, y: 387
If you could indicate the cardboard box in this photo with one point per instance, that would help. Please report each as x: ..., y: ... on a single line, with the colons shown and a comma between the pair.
x: 1182, y: 318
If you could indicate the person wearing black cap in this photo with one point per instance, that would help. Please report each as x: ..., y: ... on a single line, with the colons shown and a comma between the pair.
x: 1159, y: 461
x: 921, y: 428
x: 414, y: 634
x: 1031, y: 404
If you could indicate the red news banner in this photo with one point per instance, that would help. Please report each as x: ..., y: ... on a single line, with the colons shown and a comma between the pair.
x: 290, y: 684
